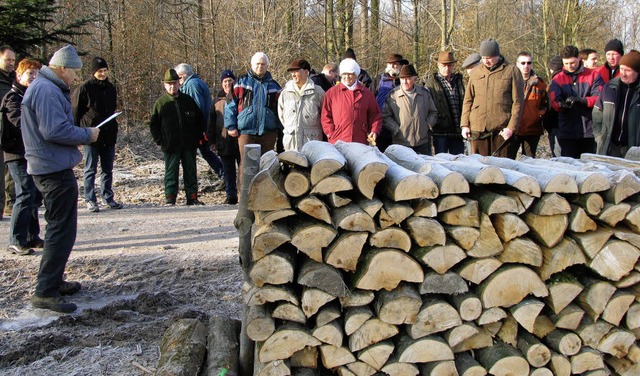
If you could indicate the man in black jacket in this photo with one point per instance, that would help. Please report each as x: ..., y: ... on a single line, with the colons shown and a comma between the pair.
x: 7, y: 78
x: 93, y: 102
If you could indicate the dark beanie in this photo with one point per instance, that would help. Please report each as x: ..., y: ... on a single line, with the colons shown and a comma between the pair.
x: 227, y: 73
x: 631, y: 60
x: 555, y: 64
x: 490, y: 48
x: 98, y: 63
x: 614, y: 45
x: 349, y: 54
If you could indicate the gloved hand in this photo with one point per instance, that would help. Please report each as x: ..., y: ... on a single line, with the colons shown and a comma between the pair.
x: 565, y: 105
x: 577, y: 100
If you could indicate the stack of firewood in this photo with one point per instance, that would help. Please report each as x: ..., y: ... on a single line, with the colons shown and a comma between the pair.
x: 366, y: 263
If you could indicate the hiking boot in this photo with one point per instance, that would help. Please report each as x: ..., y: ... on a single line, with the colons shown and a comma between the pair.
x: 194, y: 201
x: 93, y: 207
x: 53, y: 303
x: 20, y: 250
x: 69, y: 287
x: 36, y: 242
x: 114, y: 205
x: 231, y: 201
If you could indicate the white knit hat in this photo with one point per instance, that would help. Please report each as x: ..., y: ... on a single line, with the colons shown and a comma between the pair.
x: 349, y: 66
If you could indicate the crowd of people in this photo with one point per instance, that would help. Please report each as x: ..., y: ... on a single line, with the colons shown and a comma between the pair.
x: 498, y: 108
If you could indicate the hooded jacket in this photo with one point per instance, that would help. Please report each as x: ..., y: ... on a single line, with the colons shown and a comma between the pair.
x: 493, y: 98
x: 50, y: 135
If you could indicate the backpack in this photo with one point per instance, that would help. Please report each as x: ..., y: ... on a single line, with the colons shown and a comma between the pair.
x: 10, y: 136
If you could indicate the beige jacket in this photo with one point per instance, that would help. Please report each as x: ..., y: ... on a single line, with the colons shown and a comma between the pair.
x: 409, y: 126
x: 493, y: 99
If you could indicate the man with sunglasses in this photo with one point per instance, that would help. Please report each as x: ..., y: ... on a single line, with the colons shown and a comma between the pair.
x: 534, y: 107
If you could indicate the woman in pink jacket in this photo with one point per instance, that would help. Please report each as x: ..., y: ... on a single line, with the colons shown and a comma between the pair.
x: 350, y: 112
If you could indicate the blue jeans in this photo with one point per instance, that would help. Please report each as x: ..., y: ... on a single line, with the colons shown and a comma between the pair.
x: 230, y: 176
x: 445, y: 144
x: 212, y: 159
x: 60, y: 192
x: 24, y: 218
x: 106, y: 154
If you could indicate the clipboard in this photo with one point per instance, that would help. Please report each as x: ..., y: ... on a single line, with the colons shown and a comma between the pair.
x: 115, y: 115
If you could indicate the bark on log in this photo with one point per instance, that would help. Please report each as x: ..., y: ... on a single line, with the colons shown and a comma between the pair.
x: 448, y: 283
x: 474, y: 173
x: 365, y: 164
x: 403, y: 184
x: 259, y: 323
x: 385, y: 268
x: 183, y: 348
x: 315, y: 208
x: 509, y: 285
x: 440, y: 258
x: 399, y: 306
x: 266, y: 189
x: 564, y: 342
x: 469, y: 366
x: 223, y: 343
x: 357, y: 298
x: 503, y: 360
x: 323, y: 277
x: 588, y: 182
x: 345, y: 250
x: 494, y: 203
x: 324, y: 158
x: 536, y: 353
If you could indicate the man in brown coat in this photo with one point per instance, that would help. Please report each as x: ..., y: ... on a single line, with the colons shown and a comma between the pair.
x: 492, y: 101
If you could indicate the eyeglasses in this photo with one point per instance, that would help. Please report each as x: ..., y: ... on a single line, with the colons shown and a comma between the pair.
x: 526, y: 62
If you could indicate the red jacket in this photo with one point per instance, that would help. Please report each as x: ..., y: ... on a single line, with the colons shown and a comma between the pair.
x: 605, y: 72
x: 533, y: 108
x: 350, y: 115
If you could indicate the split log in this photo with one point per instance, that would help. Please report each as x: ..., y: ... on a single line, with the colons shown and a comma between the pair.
x: 366, y: 166
x: 509, y: 285
x: 468, y: 305
x: 508, y: 332
x: 543, y: 326
x: 526, y: 312
x: 560, y: 365
x: 267, y: 238
x: 377, y: 354
x: 615, y: 260
x: 307, y: 357
x: 337, y: 201
x: 491, y: 315
x: 399, y: 306
x: 289, y: 312
x: 477, y: 270
x: 559, y: 257
x: 550, y: 204
x: 425, y: 208
x: 448, y: 202
x: 393, y: 213
x: 587, y: 359
x: 310, y: 237
x: 494, y: 203
x: 396, y: 368
x: 297, y: 183
x: 591, y: 332
x: 467, y: 215
x: 442, y: 368
x: 630, y: 280
x: 617, y: 342
x: 391, y: 237
x: 361, y: 369
x: 479, y: 341
x: 264, y: 217
x: 521, y: 251
x: 563, y: 289
x: 402, y: 184
x: 488, y: 243
x: 330, y: 333
x: 627, y: 235
x: 357, y: 298
x: 183, y: 348
x: 460, y: 333
x: 423, y: 350
x: 344, y: 251
x: 536, y: 353
x: 276, y: 268
x: 592, y: 203
x: 327, y: 314
x: 623, y: 367
x: 274, y: 368
x: 352, y: 218
x: 525, y: 201
x: 464, y: 236
x: 632, y: 320
x: 448, y: 283
x: 338, y: 182
x: 293, y: 158
x: 354, y: 318
x: 324, y: 158
x: 618, y: 306
x: 503, y: 360
x: 371, y: 206
x: 592, y: 241
x: 315, y: 208
x: 254, y: 295
x: 595, y: 295
x: 468, y: 365
x: 314, y: 299
x: 569, y: 318
x: 547, y: 229
x: 509, y: 226
x: 223, y: 346
x: 632, y: 218
x: 435, y: 316
x: 425, y: 232
x: 579, y: 220
x: 322, y: 277
x: 285, y: 341
x: 564, y: 342
x: 371, y: 332
x: 266, y: 189
x: 259, y: 323
x: 612, y: 214
x: 440, y: 258
x: 385, y: 268
x: 542, y: 371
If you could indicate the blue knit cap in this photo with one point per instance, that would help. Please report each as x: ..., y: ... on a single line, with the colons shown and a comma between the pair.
x: 66, y: 57
x: 227, y: 73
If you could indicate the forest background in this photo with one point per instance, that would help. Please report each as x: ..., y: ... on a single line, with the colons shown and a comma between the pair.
x: 140, y: 39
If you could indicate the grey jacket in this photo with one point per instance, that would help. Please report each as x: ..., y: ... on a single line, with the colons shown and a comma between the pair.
x: 604, y: 115
x: 409, y: 125
x: 50, y: 136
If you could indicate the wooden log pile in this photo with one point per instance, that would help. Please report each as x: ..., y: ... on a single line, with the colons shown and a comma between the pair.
x: 365, y: 263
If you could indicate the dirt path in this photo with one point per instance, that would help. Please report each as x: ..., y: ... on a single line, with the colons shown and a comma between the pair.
x: 140, y: 268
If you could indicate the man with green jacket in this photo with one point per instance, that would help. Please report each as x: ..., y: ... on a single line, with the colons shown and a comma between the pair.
x: 177, y: 126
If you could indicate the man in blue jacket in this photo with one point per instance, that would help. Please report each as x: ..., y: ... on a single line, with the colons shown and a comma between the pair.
x: 51, y: 141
